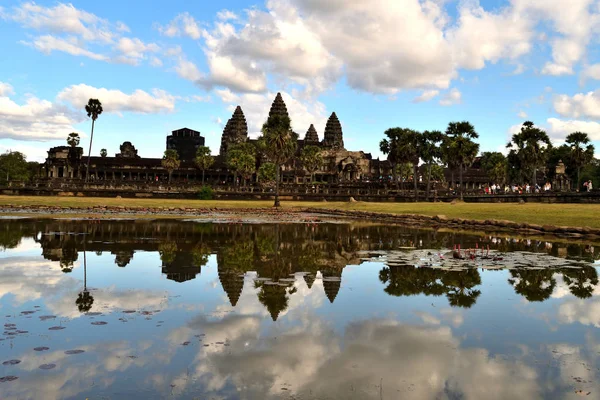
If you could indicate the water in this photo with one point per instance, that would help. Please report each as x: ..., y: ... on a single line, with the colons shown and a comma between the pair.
x: 299, y: 311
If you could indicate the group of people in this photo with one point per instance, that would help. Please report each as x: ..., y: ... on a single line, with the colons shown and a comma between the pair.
x: 518, y: 189
x: 588, y: 185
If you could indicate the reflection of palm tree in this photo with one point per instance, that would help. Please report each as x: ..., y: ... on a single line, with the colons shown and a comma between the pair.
x: 84, y: 299
x: 459, y: 286
x: 200, y: 254
x: 167, y: 252
x: 274, y: 297
x: 533, y: 284
x: 581, y: 281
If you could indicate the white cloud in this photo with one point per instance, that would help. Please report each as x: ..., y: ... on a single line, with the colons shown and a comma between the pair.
x: 133, y: 50
x: 48, y: 43
x: 116, y: 101
x: 590, y: 72
x: 451, y: 98
x: 522, y: 114
x: 121, y: 27
x: 586, y: 105
x: 559, y: 129
x: 556, y: 69
x: 426, y: 96
x: 36, y: 119
x: 183, y: 23
x: 5, y: 89
x: 156, y: 62
x: 226, y: 15
x: 188, y: 70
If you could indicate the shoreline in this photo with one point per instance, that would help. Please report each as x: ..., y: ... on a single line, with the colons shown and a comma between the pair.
x: 297, y: 215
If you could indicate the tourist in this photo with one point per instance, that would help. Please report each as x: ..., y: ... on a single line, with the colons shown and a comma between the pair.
x: 589, y: 186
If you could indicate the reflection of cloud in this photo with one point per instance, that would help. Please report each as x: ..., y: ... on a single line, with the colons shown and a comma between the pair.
x: 586, y: 312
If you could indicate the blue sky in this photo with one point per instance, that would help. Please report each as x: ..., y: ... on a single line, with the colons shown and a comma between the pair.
x: 376, y: 63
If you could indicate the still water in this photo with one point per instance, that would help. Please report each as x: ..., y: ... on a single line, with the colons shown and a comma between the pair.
x: 166, y: 309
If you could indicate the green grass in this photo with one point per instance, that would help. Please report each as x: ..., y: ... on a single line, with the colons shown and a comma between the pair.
x: 534, y: 213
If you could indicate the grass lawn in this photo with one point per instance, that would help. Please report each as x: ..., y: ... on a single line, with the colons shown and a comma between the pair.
x: 535, y: 213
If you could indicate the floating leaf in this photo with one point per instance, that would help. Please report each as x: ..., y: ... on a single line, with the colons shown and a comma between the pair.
x: 185, y: 343
x: 9, y: 378
x: 46, y: 317
x: 41, y: 348
x: 71, y: 352
x: 11, y: 362
x: 27, y: 312
x: 129, y: 311
x: 47, y: 366
x: 56, y: 328
x: 99, y: 323
x: 94, y: 313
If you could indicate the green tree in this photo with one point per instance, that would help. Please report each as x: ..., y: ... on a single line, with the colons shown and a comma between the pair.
x: 460, y: 147
x: 103, y: 153
x: 534, y: 285
x: 73, y: 139
x: 529, y: 150
x: 267, y: 173
x: 170, y: 161
x: 13, y: 166
x: 311, y: 159
x: 203, y: 159
x: 404, y: 171
x: 280, y: 144
x: 494, y: 164
x: 404, y: 145
x: 429, y: 152
x: 389, y: 147
x: 582, y: 153
x: 93, y: 110
x: 241, y: 159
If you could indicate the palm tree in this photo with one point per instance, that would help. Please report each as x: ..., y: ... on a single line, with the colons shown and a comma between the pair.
x: 93, y: 109
x: 494, y: 165
x: 580, y: 156
x: 203, y: 159
x: 280, y: 144
x: 73, y: 139
x: 311, y: 159
x: 460, y: 148
x: 103, y: 153
x: 84, y: 299
x: 389, y: 147
x: 170, y: 161
x: 529, y: 148
x: 241, y: 159
x: 430, y: 152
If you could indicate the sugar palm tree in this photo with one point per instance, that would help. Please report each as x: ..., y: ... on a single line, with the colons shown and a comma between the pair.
x: 389, y: 147
x: 73, y: 139
x: 429, y: 152
x: 203, y: 159
x: 170, y: 161
x: 103, y: 153
x: 84, y: 299
x: 530, y: 148
x: 580, y: 153
x: 93, y: 109
x: 460, y: 147
x: 280, y: 144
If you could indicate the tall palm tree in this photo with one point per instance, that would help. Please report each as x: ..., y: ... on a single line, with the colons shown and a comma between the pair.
x: 280, y: 144
x: 93, y: 109
x: 461, y: 147
x: 73, y: 139
x: 580, y: 156
x: 84, y: 300
x: 429, y: 152
x: 203, y: 159
x: 170, y: 161
x: 389, y: 147
x: 530, y: 148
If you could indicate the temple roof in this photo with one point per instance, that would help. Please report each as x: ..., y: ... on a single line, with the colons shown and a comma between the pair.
x: 278, y: 107
x: 235, y: 131
x: 333, y: 136
x: 311, y: 135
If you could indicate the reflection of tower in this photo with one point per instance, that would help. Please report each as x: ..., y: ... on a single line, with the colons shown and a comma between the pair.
x: 181, y: 268
x: 123, y: 257
x: 332, y: 280
x: 274, y: 297
x: 233, y: 284
x: 309, y: 279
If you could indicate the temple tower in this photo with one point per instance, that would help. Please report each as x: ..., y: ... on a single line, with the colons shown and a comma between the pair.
x: 233, y: 284
x: 235, y: 131
x: 333, y: 137
x: 311, y: 138
x: 278, y: 107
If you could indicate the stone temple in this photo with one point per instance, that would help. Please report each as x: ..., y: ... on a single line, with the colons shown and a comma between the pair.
x: 339, y: 164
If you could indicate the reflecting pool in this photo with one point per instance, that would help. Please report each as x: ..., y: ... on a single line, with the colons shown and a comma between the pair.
x: 181, y: 309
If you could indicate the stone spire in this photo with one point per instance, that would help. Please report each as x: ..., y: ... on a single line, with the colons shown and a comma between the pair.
x: 311, y: 136
x: 331, y: 283
x: 278, y: 107
x: 235, y: 131
x: 309, y: 279
x: 333, y: 137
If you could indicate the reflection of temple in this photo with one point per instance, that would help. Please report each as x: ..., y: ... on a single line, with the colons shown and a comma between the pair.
x: 285, y: 256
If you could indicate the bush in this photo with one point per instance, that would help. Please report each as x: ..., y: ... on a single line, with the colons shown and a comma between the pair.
x: 205, y: 193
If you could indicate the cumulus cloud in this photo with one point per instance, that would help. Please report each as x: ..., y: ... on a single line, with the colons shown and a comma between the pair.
x: 48, y: 43
x: 522, y: 114
x: 133, y: 50
x: 116, y: 101
x: 182, y: 24
x: 5, y: 89
x: 580, y: 105
x: 451, y: 98
x: 559, y: 128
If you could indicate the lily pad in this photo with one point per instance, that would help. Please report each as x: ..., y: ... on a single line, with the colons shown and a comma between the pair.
x: 11, y: 362
x: 9, y: 378
x: 41, y: 348
x: 92, y: 314
x: 47, y: 317
x: 99, y: 323
x: 71, y: 352
x: 47, y: 366
x: 56, y: 328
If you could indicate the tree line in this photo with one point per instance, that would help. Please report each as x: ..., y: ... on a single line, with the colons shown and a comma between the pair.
x: 530, y: 151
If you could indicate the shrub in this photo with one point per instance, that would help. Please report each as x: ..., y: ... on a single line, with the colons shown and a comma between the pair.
x: 205, y: 193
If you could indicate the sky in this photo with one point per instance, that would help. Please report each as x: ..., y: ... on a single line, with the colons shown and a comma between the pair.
x: 419, y: 64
